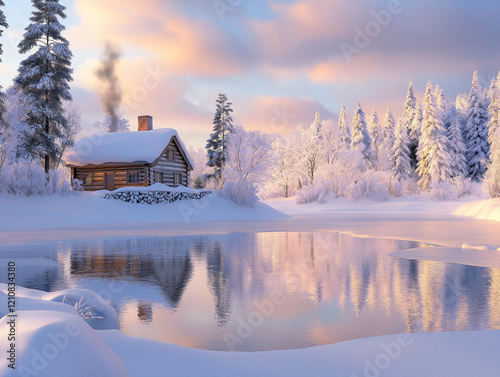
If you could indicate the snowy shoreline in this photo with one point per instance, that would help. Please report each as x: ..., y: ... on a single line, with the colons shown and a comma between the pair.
x: 385, y: 355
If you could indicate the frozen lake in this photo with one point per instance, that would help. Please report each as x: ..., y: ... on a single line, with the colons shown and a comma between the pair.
x: 268, y: 291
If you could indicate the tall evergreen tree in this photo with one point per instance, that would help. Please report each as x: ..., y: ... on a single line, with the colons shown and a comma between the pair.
x: 456, y: 145
x: 478, y: 148
x: 462, y: 105
x: 317, y: 122
x: 410, y: 108
x: 3, y: 24
x: 433, y: 157
x: 414, y: 136
x: 376, y: 134
x: 360, y: 138
x: 494, y: 112
x: 345, y: 131
x: 441, y: 101
x: 389, y: 127
x: 44, y: 78
x: 400, y: 153
x: 217, y: 144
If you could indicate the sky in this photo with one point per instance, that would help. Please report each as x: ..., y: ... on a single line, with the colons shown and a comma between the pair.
x: 279, y: 62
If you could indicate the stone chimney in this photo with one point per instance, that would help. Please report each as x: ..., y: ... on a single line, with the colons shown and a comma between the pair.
x: 145, y: 123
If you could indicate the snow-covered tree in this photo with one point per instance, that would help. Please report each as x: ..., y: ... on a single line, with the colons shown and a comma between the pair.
x: 317, y: 122
x: 389, y: 126
x: 44, y: 78
x: 3, y: 24
x: 492, y: 177
x: 456, y: 145
x: 360, y: 138
x: 115, y: 123
x: 74, y: 117
x: 216, y: 147
x: 441, y: 101
x: 284, y: 173
x: 462, y: 105
x: 377, y: 136
x: 310, y: 151
x: 200, y: 168
x: 250, y: 158
x: 400, y: 153
x: 345, y: 130
x: 331, y: 141
x: 494, y: 112
x: 433, y: 156
x: 414, y: 135
x: 410, y: 108
x: 478, y: 148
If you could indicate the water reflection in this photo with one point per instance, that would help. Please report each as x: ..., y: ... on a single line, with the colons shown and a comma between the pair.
x: 286, y: 290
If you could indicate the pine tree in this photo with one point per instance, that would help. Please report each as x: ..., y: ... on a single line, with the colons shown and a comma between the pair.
x: 433, y: 157
x: 456, y: 146
x: 400, y: 153
x: 3, y: 23
x: 317, y: 122
x: 478, y: 148
x: 494, y: 112
x: 360, y: 138
x: 410, y: 108
x: 441, y: 101
x: 414, y: 136
x: 44, y: 78
x: 217, y: 144
x: 345, y: 131
x: 462, y: 104
x: 389, y: 128
x: 375, y: 130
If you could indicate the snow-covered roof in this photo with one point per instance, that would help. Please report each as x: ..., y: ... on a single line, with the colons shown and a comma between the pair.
x: 122, y: 147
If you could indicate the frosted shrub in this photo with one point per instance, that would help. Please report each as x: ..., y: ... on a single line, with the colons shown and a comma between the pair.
x: 310, y: 194
x: 396, y: 188
x: 24, y: 179
x: 240, y: 192
x: 28, y: 179
x: 492, y: 178
x: 443, y: 191
x: 411, y: 187
x: 372, y: 185
x: 466, y: 187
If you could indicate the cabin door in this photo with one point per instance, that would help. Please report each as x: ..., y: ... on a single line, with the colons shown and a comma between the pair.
x: 109, y: 181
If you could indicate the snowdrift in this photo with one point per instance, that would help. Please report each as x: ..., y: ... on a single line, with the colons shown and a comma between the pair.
x: 483, y: 210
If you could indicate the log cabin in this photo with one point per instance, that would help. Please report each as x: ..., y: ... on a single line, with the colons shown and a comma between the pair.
x: 126, y: 159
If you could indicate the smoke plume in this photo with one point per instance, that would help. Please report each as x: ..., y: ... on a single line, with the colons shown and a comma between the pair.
x: 110, y: 90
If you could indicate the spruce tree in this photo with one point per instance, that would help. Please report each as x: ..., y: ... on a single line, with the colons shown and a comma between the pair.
x: 389, y: 128
x: 400, y: 153
x: 3, y: 24
x: 441, y: 101
x: 478, y: 148
x: 410, y: 108
x: 317, y: 123
x: 494, y: 112
x: 433, y: 157
x: 217, y: 144
x: 456, y: 145
x: 345, y: 131
x: 375, y: 130
x: 44, y: 78
x: 360, y: 138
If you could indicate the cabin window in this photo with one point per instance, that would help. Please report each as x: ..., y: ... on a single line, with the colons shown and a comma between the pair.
x: 177, y: 179
x: 134, y: 177
x: 87, y: 178
x: 159, y: 177
x: 171, y: 155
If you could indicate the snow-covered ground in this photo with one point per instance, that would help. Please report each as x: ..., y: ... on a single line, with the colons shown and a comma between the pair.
x: 464, y: 240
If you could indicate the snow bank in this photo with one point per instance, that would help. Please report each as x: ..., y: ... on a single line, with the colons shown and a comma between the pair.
x: 429, y: 354
x: 33, y: 299
x: 483, y: 210
x: 473, y: 256
x: 57, y: 344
